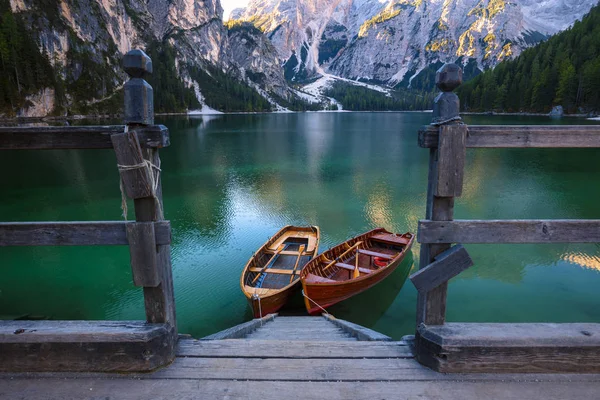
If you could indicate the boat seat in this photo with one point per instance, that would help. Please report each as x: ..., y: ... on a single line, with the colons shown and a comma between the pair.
x: 311, y: 278
x: 351, y: 268
x: 376, y: 254
x: 390, y: 238
x: 274, y: 271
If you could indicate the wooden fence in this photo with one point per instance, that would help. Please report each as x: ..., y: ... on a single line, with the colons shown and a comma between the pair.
x: 103, y: 345
x: 461, y: 347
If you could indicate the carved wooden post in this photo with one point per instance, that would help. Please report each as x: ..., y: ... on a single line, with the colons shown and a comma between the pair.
x: 446, y: 165
x: 140, y: 174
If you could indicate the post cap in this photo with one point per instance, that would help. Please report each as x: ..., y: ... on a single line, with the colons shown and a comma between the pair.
x: 449, y: 77
x: 137, y: 63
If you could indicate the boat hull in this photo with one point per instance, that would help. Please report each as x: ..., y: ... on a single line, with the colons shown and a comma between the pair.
x: 321, y: 295
x: 262, y: 306
x: 272, y: 275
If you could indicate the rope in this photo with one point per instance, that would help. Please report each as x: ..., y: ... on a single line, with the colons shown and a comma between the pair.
x: 154, y: 180
x: 257, y: 297
x: 324, y: 310
x: 446, y: 121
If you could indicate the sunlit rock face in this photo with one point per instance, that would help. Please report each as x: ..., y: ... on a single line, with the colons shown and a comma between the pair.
x: 388, y: 41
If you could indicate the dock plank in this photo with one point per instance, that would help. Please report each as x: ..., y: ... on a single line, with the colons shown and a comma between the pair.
x: 286, y: 349
x: 276, y: 369
x: 126, y: 389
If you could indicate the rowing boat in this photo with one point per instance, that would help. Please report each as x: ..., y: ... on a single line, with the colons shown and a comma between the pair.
x: 352, y: 267
x: 271, y: 276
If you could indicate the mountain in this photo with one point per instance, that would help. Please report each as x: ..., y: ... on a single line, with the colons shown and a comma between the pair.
x: 391, y: 41
x: 565, y: 70
x: 63, y: 56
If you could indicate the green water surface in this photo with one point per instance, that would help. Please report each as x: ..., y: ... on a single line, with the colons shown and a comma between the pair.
x: 231, y: 181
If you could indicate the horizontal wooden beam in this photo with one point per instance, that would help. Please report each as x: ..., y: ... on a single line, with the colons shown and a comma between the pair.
x: 74, y: 233
x: 447, y: 265
x: 510, y: 231
x: 77, y: 137
x: 514, y: 348
x: 108, y: 346
x: 498, y: 136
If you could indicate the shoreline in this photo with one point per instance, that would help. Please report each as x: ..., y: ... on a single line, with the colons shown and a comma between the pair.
x: 47, y: 119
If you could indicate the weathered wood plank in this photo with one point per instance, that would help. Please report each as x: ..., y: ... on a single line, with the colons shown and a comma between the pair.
x: 142, y: 251
x: 77, y: 137
x: 446, y: 266
x: 84, y: 345
x: 509, y: 231
x: 431, y: 306
x: 451, y: 160
x: 514, y: 136
x: 241, y: 330
x: 136, y: 176
x: 408, y: 386
x: 291, y: 350
x: 74, y: 233
x: 357, y: 331
x: 159, y: 301
x: 275, y: 369
x: 525, y: 348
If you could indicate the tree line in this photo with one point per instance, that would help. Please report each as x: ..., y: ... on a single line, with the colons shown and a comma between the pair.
x: 564, y: 70
x: 358, y: 98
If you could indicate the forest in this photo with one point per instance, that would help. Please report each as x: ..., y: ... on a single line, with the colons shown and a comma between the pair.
x: 358, y: 98
x: 564, y: 70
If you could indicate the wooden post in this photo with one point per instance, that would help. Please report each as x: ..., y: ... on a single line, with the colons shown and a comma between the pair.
x: 143, y: 185
x: 446, y: 164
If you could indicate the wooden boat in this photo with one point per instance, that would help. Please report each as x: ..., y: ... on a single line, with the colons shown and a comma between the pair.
x: 272, y: 275
x: 352, y: 267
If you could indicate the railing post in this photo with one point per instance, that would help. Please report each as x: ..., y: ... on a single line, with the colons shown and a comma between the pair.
x: 142, y: 167
x: 446, y: 165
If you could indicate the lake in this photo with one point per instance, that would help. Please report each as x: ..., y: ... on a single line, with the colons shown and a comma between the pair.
x: 232, y: 181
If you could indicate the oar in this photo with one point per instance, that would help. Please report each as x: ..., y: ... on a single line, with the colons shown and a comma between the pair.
x: 279, y: 250
x: 300, y: 252
x: 356, y: 272
x: 342, y: 255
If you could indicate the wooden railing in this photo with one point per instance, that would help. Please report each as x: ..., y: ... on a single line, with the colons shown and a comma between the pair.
x: 489, y: 347
x: 104, y: 345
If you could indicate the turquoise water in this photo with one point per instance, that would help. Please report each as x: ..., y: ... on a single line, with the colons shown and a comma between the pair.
x: 231, y: 181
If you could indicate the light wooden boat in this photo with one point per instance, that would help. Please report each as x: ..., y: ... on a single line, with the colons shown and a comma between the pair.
x: 352, y: 267
x: 272, y: 275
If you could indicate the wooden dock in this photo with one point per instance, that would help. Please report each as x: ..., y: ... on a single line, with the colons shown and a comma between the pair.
x: 296, y: 358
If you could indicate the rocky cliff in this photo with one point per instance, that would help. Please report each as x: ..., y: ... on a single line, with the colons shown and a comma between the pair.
x: 391, y: 41
x: 85, y: 40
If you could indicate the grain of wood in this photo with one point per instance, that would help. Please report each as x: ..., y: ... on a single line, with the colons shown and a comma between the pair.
x: 159, y: 301
x: 510, y: 231
x: 275, y: 369
x: 142, y: 251
x: 84, y: 345
x: 166, y: 389
x: 445, y: 267
x: 514, y: 136
x: 74, y: 233
x: 451, y: 160
x: 77, y: 137
x: 296, y: 349
x: 501, y: 348
x: 137, y: 177
x: 431, y: 306
x: 241, y: 330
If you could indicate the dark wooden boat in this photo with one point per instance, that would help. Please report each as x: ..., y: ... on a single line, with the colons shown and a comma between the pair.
x: 352, y: 267
x: 272, y: 275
